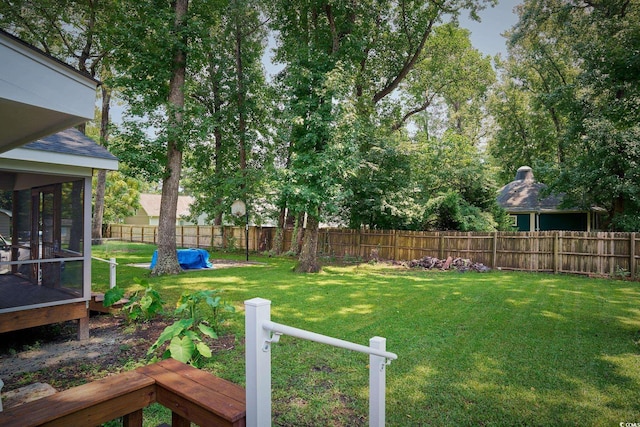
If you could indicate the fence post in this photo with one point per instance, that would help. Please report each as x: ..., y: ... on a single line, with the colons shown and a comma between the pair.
x: 632, y: 255
x: 395, y: 245
x: 612, y: 253
x: 556, y: 252
x: 377, y: 383
x: 214, y: 238
x: 494, y: 257
x: 258, y: 362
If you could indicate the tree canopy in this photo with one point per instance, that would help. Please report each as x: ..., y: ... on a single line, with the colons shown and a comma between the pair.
x: 568, y: 103
x: 383, y: 114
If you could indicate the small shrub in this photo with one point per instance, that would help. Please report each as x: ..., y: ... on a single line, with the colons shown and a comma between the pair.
x: 142, y: 305
x: 231, y: 243
x: 201, y: 314
x: 620, y: 273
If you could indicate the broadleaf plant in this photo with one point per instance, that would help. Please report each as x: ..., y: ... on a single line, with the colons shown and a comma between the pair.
x: 142, y: 305
x: 199, y: 315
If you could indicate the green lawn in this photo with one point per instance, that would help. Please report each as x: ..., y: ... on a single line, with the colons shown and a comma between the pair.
x: 501, y: 348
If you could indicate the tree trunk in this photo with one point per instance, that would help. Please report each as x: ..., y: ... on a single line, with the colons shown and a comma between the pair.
x: 298, y: 234
x: 242, y: 124
x: 308, y: 260
x: 167, y: 261
x: 278, y: 241
x: 217, y: 130
x: 101, y: 181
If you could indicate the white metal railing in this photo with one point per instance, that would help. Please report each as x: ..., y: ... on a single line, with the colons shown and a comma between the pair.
x: 112, y: 270
x: 261, y: 332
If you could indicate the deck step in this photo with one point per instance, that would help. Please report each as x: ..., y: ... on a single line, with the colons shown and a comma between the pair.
x: 97, y: 303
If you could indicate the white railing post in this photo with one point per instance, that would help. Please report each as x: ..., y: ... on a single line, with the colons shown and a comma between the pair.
x: 112, y: 273
x: 258, y: 362
x: 377, y: 383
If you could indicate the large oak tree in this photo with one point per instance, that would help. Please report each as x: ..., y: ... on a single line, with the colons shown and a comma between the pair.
x: 343, y: 62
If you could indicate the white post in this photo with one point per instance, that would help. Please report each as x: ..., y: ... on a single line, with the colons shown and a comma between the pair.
x: 258, y: 362
x: 377, y: 383
x: 112, y: 273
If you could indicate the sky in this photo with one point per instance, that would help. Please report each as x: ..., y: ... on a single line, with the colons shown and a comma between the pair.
x: 486, y: 35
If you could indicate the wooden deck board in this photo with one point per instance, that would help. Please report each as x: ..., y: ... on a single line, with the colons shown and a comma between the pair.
x: 22, y: 319
x: 197, y: 395
x: 191, y: 395
x: 89, y: 404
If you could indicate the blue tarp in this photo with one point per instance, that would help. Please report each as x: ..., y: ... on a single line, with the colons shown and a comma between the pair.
x: 189, y: 259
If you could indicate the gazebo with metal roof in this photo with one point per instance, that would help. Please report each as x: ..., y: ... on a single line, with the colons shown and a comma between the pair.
x: 523, y: 199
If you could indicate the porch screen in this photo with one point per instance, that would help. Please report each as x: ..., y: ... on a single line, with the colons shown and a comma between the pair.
x: 45, y: 249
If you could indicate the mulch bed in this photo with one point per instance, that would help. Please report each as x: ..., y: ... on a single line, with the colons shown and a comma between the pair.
x: 121, y: 347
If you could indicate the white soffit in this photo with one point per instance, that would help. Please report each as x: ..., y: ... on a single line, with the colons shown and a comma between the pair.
x: 39, y: 95
x: 45, y: 161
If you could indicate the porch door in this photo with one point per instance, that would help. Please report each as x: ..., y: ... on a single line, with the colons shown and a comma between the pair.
x: 46, y: 233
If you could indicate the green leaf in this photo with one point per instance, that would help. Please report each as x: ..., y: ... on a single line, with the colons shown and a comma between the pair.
x: 112, y: 296
x: 182, y: 349
x: 181, y: 308
x: 170, y: 332
x: 145, y: 303
x: 215, y: 303
x: 203, y: 349
x: 192, y: 335
x: 207, y: 330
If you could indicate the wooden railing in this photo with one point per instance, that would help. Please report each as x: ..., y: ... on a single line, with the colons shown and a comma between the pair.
x: 191, y: 395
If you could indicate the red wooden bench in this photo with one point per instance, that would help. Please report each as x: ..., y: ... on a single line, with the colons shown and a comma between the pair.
x: 192, y: 395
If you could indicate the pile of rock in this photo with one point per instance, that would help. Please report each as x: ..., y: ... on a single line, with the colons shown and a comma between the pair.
x: 459, y: 264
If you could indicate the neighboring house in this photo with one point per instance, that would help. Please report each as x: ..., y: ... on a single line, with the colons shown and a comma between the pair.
x: 45, y: 270
x: 149, y: 212
x: 530, y: 211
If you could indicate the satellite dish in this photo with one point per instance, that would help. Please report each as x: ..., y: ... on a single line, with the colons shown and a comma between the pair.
x: 238, y: 208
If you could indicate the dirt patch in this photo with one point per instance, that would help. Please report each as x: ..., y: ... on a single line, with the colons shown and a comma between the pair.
x: 52, y: 354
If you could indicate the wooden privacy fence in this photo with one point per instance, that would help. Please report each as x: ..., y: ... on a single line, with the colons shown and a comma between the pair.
x: 576, y: 252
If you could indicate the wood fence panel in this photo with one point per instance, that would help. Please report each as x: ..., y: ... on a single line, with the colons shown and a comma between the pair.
x: 378, y: 243
x: 514, y: 251
x: 189, y: 236
x: 416, y: 245
x: 341, y: 243
x: 205, y: 236
x: 546, y: 251
x: 287, y: 239
x: 475, y: 246
x: 594, y: 253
